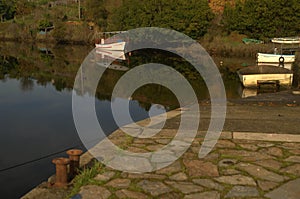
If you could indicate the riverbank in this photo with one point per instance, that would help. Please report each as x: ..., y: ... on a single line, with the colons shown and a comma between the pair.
x: 79, y: 33
x: 257, y: 155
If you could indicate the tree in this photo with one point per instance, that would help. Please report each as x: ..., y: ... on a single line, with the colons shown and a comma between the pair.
x: 7, y: 9
x: 190, y: 17
x: 24, y: 7
x: 264, y: 18
x: 44, y: 24
x: 96, y: 12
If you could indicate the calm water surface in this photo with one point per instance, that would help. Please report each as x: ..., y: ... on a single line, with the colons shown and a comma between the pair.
x: 35, y: 105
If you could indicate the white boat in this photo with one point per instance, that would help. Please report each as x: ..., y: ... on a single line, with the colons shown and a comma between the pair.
x: 117, y: 46
x: 254, y: 76
x: 275, y: 58
x: 286, y: 40
x: 280, y: 58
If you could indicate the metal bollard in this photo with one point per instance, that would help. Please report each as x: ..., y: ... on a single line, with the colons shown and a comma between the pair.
x: 61, y: 178
x: 74, y: 156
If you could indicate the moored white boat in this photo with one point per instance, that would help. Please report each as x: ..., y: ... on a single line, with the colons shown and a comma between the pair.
x: 117, y: 46
x: 274, y: 58
x: 286, y: 40
x: 279, y: 57
x: 253, y: 76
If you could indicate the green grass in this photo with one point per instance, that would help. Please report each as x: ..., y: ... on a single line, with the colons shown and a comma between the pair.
x: 85, y: 178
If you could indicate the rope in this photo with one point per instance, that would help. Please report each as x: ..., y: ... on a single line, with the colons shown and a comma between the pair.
x: 37, y: 159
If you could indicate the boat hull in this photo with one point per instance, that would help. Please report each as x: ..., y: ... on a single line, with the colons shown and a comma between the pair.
x: 286, y: 40
x: 253, y: 80
x: 119, y: 46
x: 252, y: 41
x: 253, y: 76
x: 273, y: 58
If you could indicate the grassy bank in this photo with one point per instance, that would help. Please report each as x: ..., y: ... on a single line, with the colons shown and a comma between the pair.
x: 232, y: 46
x: 48, y: 23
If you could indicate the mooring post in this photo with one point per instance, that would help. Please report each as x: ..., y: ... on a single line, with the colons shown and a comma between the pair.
x: 61, y: 177
x: 74, y: 156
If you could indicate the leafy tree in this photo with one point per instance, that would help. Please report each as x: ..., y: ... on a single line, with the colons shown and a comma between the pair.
x: 95, y: 11
x: 60, y: 32
x: 190, y: 17
x: 7, y: 9
x: 264, y: 18
x: 24, y: 7
x: 44, y: 24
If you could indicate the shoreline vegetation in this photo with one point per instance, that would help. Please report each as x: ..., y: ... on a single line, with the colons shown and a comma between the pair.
x: 220, y: 27
x: 220, y: 23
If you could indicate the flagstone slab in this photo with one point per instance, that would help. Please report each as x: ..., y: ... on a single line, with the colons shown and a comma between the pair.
x: 242, y: 191
x: 274, y: 151
x: 236, y: 180
x: 260, y: 173
x: 124, y: 193
x: 105, y: 176
x: 266, y: 137
x: 94, y: 191
x: 293, y: 159
x: 173, y: 168
x: 293, y: 169
x: 185, y: 187
x: 271, y: 164
x: 179, y: 177
x: 206, y: 195
x: 198, y: 168
x: 266, y: 185
x: 208, y: 183
x: 155, y: 188
x: 288, y: 190
x: 119, y: 183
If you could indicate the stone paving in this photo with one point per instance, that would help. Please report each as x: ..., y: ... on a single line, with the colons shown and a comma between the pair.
x: 236, y: 168
x: 239, y: 166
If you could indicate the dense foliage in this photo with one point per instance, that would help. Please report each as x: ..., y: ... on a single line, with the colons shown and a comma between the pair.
x: 260, y: 19
x: 190, y: 17
x: 7, y: 9
x: 96, y: 12
x: 264, y: 18
x: 44, y: 24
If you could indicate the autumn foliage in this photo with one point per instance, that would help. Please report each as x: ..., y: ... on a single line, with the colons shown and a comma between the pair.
x: 217, y: 6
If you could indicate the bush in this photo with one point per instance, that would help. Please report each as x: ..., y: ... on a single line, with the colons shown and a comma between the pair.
x: 263, y: 19
x: 190, y: 17
x: 44, y: 24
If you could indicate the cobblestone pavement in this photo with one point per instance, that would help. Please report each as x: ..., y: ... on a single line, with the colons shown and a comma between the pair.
x: 234, y: 169
x: 240, y: 165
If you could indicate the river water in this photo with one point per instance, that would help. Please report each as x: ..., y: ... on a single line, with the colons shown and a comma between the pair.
x: 36, y: 120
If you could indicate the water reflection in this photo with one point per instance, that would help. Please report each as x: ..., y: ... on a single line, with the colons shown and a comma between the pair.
x: 26, y: 84
x: 252, y: 92
x: 247, y: 92
x: 58, y: 65
x: 35, y: 103
x: 110, y: 59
